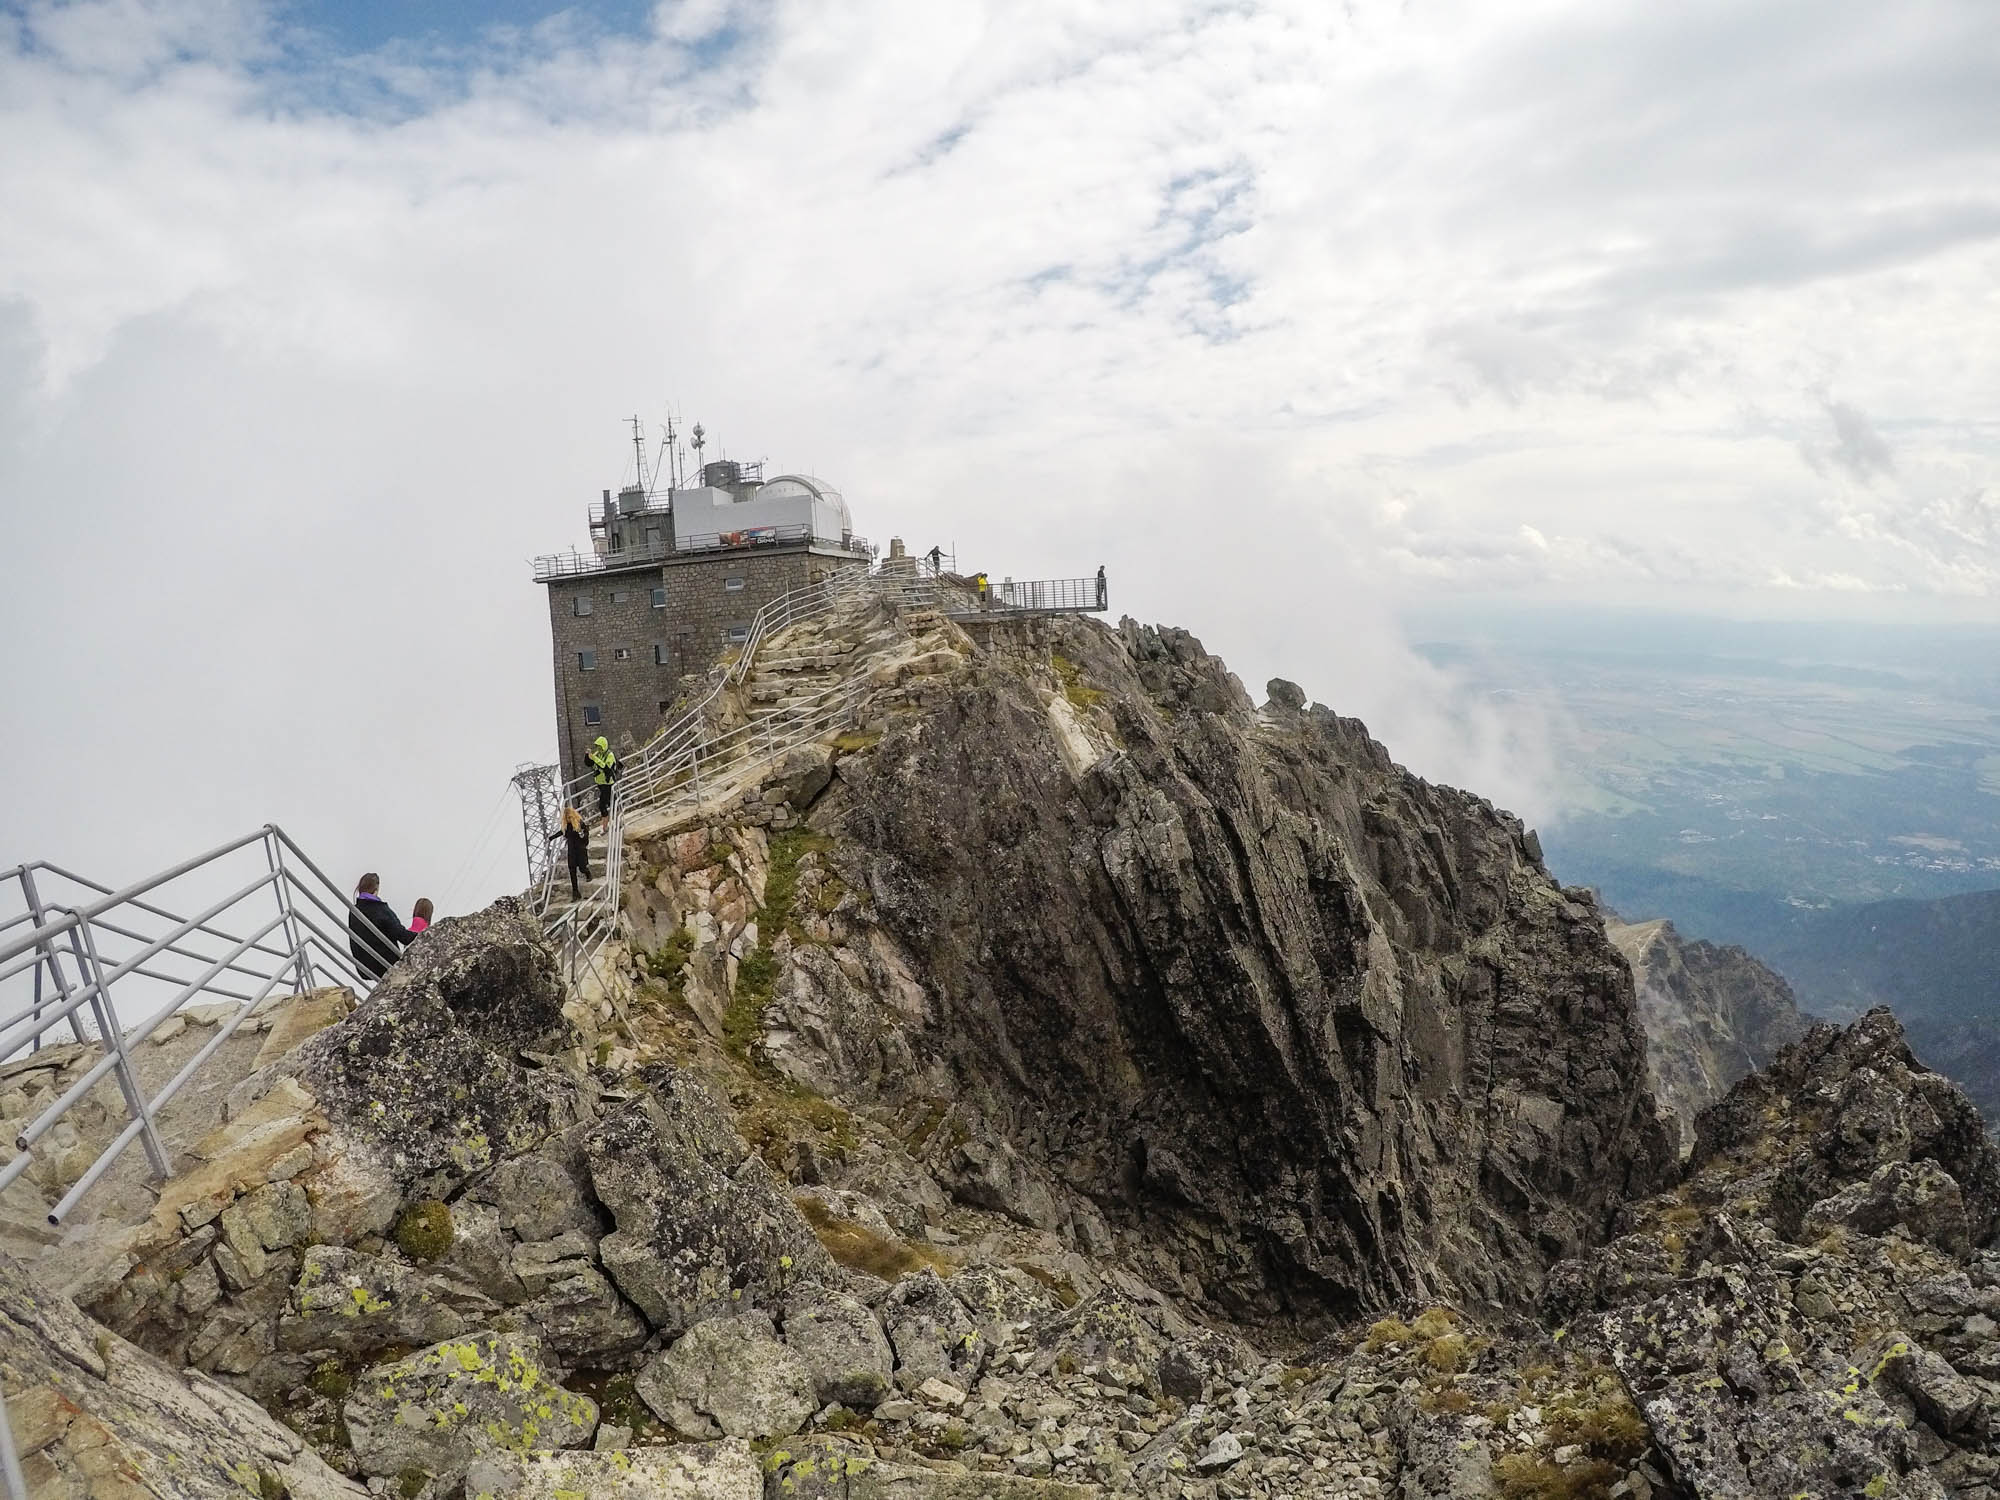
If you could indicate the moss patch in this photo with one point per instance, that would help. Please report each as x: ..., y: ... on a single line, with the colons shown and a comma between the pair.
x: 424, y: 1233
x: 1079, y: 692
x: 1064, y: 1289
x: 860, y: 1248
x: 1530, y: 1476
x: 330, y: 1379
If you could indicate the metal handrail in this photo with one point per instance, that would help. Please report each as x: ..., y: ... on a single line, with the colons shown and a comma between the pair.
x: 574, y: 564
x: 668, y: 770
x: 62, y: 943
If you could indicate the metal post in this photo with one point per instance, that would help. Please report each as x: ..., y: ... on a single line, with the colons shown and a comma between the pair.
x: 113, y: 1038
x: 301, y: 969
x: 50, y: 956
x: 10, y: 1461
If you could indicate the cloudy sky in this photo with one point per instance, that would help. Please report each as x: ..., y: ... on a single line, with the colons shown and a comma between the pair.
x: 317, y: 321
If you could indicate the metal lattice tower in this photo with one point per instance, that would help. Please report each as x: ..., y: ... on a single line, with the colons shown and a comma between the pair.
x: 540, y: 790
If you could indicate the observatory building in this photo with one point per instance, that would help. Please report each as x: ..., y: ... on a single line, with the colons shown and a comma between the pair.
x: 672, y: 579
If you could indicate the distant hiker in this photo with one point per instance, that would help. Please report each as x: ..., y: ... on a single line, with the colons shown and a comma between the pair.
x: 374, y: 936
x: 607, y: 768
x: 420, y: 914
x: 1102, y: 599
x: 936, y: 555
x: 979, y: 583
x: 575, y: 834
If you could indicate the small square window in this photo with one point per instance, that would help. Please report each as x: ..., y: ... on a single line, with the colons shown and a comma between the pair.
x: 621, y: 653
x: 739, y: 633
x: 666, y: 707
x: 660, y: 658
x: 659, y: 598
x: 586, y: 661
x: 732, y: 585
x: 580, y: 605
x: 593, y: 713
x: 619, y: 596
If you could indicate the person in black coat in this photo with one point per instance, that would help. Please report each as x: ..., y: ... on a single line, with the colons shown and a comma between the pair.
x: 374, y: 935
x: 575, y: 835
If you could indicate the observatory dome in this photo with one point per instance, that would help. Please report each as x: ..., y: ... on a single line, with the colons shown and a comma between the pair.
x: 804, y: 486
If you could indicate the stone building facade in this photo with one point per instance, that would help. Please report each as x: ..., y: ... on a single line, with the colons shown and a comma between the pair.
x: 639, y: 620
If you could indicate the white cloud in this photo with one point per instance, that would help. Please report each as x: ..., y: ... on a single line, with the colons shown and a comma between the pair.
x: 1370, y: 300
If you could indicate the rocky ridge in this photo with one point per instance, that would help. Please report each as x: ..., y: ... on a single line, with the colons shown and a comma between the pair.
x: 1712, y: 1015
x: 1072, y: 1081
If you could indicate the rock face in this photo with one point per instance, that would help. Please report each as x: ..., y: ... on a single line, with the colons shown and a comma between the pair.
x: 443, y: 1407
x: 93, y: 1415
x: 703, y: 1228
x: 1711, y: 1015
x: 1810, y: 1311
x: 1070, y: 1081
x: 428, y: 1072
x: 1320, y: 1034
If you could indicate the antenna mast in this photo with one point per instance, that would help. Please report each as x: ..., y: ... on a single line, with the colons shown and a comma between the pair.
x: 673, y: 454
x: 639, y: 452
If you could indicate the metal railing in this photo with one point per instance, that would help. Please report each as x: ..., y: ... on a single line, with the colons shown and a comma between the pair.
x: 689, y: 757
x: 1044, y: 596
x: 765, y: 536
x: 574, y: 564
x: 60, y: 960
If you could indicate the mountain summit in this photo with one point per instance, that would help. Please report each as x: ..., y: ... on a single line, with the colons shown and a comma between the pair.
x: 1060, y: 1077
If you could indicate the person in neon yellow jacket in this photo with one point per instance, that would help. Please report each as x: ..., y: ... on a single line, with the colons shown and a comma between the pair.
x: 605, y: 764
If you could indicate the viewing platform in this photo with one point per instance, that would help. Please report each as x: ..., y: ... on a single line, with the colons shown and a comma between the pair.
x: 1015, y: 599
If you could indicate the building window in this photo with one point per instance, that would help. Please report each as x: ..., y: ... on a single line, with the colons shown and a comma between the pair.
x: 660, y: 658
x: 666, y: 707
x: 593, y: 714
x: 659, y: 598
x: 586, y: 661
x: 739, y: 633
x: 732, y: 585
x: 621, y: 653
x: 619, y: 596
x: 580, y: 605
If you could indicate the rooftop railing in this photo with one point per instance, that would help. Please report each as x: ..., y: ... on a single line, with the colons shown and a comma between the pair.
x: 574, y: 564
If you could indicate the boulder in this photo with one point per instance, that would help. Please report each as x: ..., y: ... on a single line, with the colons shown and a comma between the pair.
x: 823, y: 1468
x: 931, y: 1333
x: 1943, y: 1397
x: 843, y: 1346
x: 442, y: 1407
x: 583, y: 1319
x: 1918, y: 1196
x: 1745, y: 1402
x: 730, y: 1377
x: 1285, y: 695
x: 703, y: 1226
x: 727, y: 1470
x: 538, y: 1197
x: 93, y: 1415
x: 354, y: 1304
x: 427, y: 1073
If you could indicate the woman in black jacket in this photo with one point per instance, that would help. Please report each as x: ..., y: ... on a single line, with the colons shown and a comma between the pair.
x: 374, y: 935
x: 575, y: 834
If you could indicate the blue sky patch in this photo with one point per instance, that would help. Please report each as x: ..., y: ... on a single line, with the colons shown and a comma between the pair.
x: 367, y: 25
